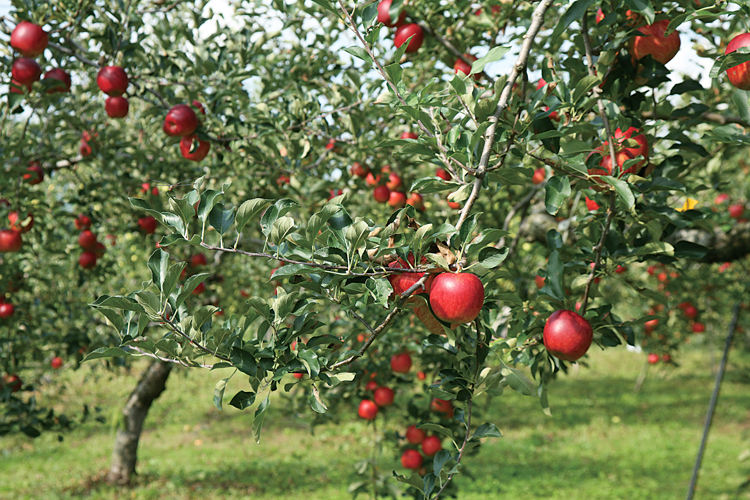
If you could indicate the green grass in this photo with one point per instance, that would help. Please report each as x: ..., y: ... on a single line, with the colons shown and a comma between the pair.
x: 602, y: 442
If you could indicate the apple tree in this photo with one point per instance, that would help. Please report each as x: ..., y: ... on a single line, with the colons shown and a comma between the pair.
x: 384, y: 208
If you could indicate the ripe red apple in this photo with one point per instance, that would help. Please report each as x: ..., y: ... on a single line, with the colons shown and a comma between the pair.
x: 591, y: 205
x: 116, y: 107
x: 148, y: 224
x: 690, y: 312
x: 10, y: 241
x: 360, y: 170
x: 199, y: 289
x: 540, y: 174
x: 736, y: 210
x: 26, y: 71
x: 443, y: 174
x: 383, y: 396
x: 82, y: 222
x: 620, y: 269
x: 415, y: 200
x: 653, y: 358
x: 567, y: 335
x: 409, y: 30
x: 6, y: 310
x: 280, y: 180
x: 698, y: 328
x: 401, y: 363
x: 409, y: 135
x: 368, y: 410
x: 332, y: 193
x: 36, y: 176
x: 605, y: 163
x: 13, y: 381
x: 397, y: 199
x: 723, y: 197
x: 298, y: 376
x: 371, y: 385
x: 29, y: 39
x: 431, y: 445
x: 87, y: 260
x: 539, y: 281
x: 394, y: 181
x: 442, y: 406
x: 197, y: 105
x: 372, y: 180
x: 99, y: 250
x: 457, y: 298
x: 56, y: 362
x: 461, y: 67
x: 421, y: 375
x: 180, y: 121
x: 401, y: 282
x: 85, y: 149
x: 112, y: 80
x: 650, y: 325
x: 331, y: 144
x: 666, y: 358
x: 62, y: 76
x: 411, y: 459
x: 414, y: 435
x: 739, y: 75
x: 384, y: 15
x: 21, y: 224
x: 654, y: 43
x: 198, y: 260
x: 87, y: 240
x: 194, y: 149
x: 381, y: 194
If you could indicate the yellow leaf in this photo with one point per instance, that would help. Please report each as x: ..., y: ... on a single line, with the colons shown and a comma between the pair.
x: 688, y: 205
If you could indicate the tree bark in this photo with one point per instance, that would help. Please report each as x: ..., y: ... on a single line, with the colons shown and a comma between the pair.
x: 150, y: 386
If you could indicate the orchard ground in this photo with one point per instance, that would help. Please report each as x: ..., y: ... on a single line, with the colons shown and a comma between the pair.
x: 602, y: 442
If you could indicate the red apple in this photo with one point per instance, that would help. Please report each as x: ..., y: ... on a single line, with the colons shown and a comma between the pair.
x: 56, y: 363
x: 383, y: 396
x: 84, y: 149
x: 371, y: 385
x: 404, y: 32
x: 409, y: 135
x: 442, y: 406
x: 87, y: 260
x: 29, y: 39
x: 197, y: 105
x: 739, y: 75
x: 401, y: 282
x: 6, y: 310
x: 443, y: 174
x: 650, y: 325
x: 401, y: 363
x: 421, y: 375
x: 431, y: 445
x: 116, y: 107
x: 465, y: 69
x: 194, y: 149
x: 298, y: 376
x: 384, y: 15
x: 26, y: 71
x: 331, y: 144
x: 148, y: 224
x: 411, y: 459
x: 539, y: 281
x: 394, y: 181
x: 666, y: 358
x: 180, y: 121
x: 368, y: 410
x: 371, y: 179
x: 416, y: 201
x: 281, y: 180
x: 690, y: 312
x: 654, y: 43
x: 99, y: 250
x: 36, y: 176
x: 698, y: 328
x: 112, y: 80
x: 606, y: 163
x: 414, y: 435
x: 540, y: 174
x: 653, y: 358
x: 10, y: 241
x: 381, y: 194
x: 334, y: 193
x: 87, y: 240
x: 12, y: 381
x: 198, y: 260
x: 725, y: 266
x: 199, y: 289
x: 591, y: 205
x: 736, y: 210
x: 21, y: 224
x: 567, y: 335
x: 62, y: 76
x: 723, y: 197
x: 360, y: 170
x: 397, y: 199
x: 82, y: 222
x: 620, y: 269
x: 457, y: 298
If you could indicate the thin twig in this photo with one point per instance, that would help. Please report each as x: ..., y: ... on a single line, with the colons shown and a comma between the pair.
x: 598, y: 252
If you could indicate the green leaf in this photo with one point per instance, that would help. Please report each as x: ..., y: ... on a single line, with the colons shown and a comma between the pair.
x: 221, y: 219
x: 574, y: 13
x: 380, y: 289
x: 105, y: 352
x: 173, y: 276
x: 584, y: 85
x: 243, y: 361
x: 428, y: 185
x: 689, y: 250
x: 159, y: 265
x: 441, y: 458
x: 221, y: 385
x: 622, y: 189
x: 190, y: 284
x: 259, y: 415
x: 494, y: 54
x: 492, y: 257
x: 731, y: 60
x: 553, y: 284
x: 518, y: 381
x: 413, y: 480
x: 281, y: 229
x: 487, y: 430
x: 359, y: 53
x: 739, y: 98
x: 429, y: 426
x: 243, y: 400
x: 118, y: 302
x: 249, y: 210
x: 557, y: 191
x: 310, y: 360
x: 356, y: 235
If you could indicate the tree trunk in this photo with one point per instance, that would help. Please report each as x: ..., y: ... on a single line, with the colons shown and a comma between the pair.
x: 150, y: 386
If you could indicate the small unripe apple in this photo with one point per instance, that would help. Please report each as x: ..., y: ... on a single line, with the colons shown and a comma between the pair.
x: 56, y: 363
x: 62, y: 76
x: 463, y: 69
x: 414, y: 435
x: 26, y: 71
x: 409, y: 135
x: 6, y: 310
x: 401, y: 363
x: 739, y: 75
x: 148, y: 224
x: 443, y: 174
x: 383, y: 396
x: 397, y: 199
x: 457, y: 297
x: 180, y: 121
x: 116, y: 107
x: 653, y: 358
x: 567, y: 335
x: 431, y: 445
x: 29, y: 39
x: 442, y: 406
x: 10, y: 241
x: 82, y: 222
x: 384, y: 15
x: 736, y: 210
x: 194, y: 149
x: 411, y: 459
x: 381, y: 194
x: 87, y: 240
x: 21, y: 224
x: 404, y: 32
x: 36, y: 176
x: 87, y: 260
x: 662, y: 48
x: 367, y: 410
x: 112, y: 80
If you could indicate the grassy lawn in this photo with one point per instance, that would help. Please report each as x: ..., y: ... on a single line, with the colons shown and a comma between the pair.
x: 602, y: 442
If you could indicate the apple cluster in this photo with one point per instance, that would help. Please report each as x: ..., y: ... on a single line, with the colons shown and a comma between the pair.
x: 181, y: 121
x: 87, y: 240
x: 113, y: 81
x: 30, y: 41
